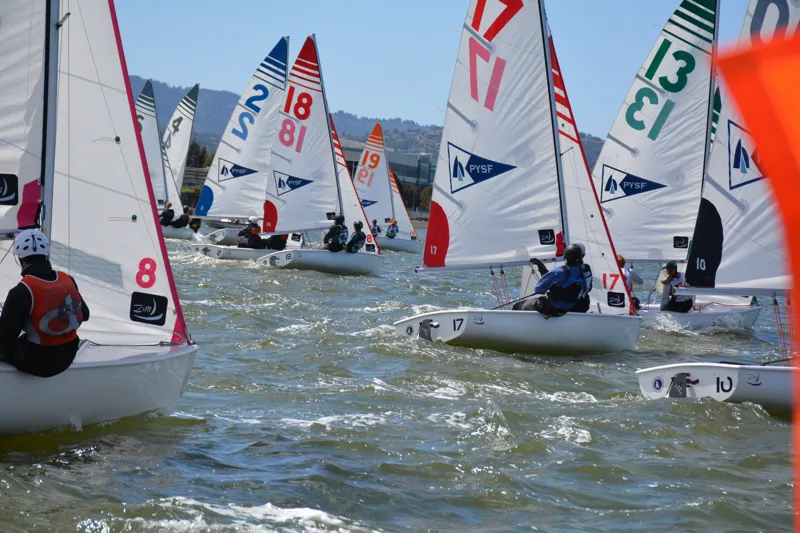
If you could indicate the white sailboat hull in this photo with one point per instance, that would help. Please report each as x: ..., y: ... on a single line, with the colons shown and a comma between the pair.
x: 526, y: 331
x: 399, y: 245
x: 184, y: 234
x: 711, y: 316
x: 137, y: 380
x: 224, y: 237
x: 768, y: 386
x: 343, y: 263
x: 232, y: 253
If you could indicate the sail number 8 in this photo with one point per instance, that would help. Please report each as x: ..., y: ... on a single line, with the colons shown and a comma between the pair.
x: 301, y: 111
x: 687, y: 64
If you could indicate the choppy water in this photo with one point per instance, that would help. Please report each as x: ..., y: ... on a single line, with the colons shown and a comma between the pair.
x: 306, y: 413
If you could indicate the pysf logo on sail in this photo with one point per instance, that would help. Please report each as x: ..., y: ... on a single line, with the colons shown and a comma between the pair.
x: 618, y: 184
x: 743, y: 157
x: 468, y: 169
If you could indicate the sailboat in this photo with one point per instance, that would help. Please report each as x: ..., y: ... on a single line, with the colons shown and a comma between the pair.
x: 380, y: 196
x: 738, y: 246
x: 78, y: 170
x: 500, y: 191
x: 237, y: 180
x: 310, y: 180
x: 651, y: 168
x: 164, y: 188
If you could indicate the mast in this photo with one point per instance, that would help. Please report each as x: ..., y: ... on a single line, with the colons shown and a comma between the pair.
x: 328, y: 121
x: 712, y: 85
x: 50, y: 108
x: 392, y: 178
x: 554, y: 120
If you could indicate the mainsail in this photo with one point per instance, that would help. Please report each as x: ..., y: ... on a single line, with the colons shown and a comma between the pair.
x: 238, y: 177
x: 372, y: 179
x: 496, y: 193
x: 405, y: 229
x: 738, y: 242
x: 650, y: 170
x: 148, y: 128
x: 178, y: 135
x: 303, y: 193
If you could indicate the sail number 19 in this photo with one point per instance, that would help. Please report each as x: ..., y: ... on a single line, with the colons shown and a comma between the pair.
x: 371, y: 160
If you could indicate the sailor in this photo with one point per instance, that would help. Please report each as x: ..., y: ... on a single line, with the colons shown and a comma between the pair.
x: 376, y: 229
x: 45, y: 307
x: 391, y: 231
x: 358, y: 239
x: 276, y: 242
x: 630, y: 278
x: 336, y: 238
x: 183, y: 220
x: 167, y: 214
x: 250, y: 235
x: 669, y: 300
x: 558, y: 290
x: 583, y: 302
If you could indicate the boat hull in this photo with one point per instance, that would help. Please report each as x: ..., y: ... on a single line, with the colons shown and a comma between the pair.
x: 151, y: 378
x: 342, y: 263
x: 526, y: 331
x: 717, y: 316
x: 224, y: 237
x: 399, y: 245
x: 184, y: 234
x: 768, y: 386
x: 232, y: 253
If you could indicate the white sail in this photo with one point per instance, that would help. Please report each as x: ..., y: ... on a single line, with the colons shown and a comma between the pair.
x: 739, y: 242
x: 650, y: 170
x: 178, y: 135
x: 148, y: 127
x: 496, y: 193
x: 22, y: 101
x: 240, y: 173
x: 104, y: 228
x: 302, y: 194
x: 405, y: 229
x: 585, y: 219
x: 372, y: 179
x: 351, y: 203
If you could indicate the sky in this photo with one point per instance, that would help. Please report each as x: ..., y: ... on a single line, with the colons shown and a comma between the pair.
x: 392, y: 58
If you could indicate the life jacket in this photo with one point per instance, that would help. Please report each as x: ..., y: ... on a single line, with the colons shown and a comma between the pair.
x: 564, y: 295
x: 357, y: 242
x: 391, y: 231
x: 376, y: 229
x: 56, y: 310
x: 626, y: 274
x: 681, y: 283
x: 343, y: 234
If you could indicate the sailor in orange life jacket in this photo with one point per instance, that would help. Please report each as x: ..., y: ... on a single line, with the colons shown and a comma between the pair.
x: 45, y: 307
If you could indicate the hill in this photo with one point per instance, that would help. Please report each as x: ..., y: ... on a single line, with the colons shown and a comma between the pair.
x: 214, y: 109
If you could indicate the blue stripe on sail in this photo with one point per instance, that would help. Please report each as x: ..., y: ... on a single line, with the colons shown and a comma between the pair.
x: 278, y: 72
x: 271, y: 76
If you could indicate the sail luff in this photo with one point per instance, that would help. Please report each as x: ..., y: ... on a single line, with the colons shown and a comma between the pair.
x: 330, y: 134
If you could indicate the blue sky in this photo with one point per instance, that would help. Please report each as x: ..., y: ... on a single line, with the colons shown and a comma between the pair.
x: 391, y: 58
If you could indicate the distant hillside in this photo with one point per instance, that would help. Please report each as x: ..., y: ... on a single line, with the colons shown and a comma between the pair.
x: 214, y: 108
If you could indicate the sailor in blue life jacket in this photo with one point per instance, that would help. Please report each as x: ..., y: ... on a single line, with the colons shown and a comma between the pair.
x: 42, y: 313
x: 358, y: 239
x: 391, y: 231
x: 376, y: 229
x: 558, y: 290
x: 336, y: 238
x: 670, y: 301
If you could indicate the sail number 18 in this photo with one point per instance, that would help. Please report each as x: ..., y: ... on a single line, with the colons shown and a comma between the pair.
x: 301, y: 111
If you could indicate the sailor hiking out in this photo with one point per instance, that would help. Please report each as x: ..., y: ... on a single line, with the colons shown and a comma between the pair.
x: 563, y: 289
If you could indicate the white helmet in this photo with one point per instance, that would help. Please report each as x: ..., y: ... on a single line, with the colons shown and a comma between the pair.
x: 31, y: 242
x: 254, y: 220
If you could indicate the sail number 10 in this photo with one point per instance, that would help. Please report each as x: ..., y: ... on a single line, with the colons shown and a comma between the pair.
x: 289, y: 134
x: 649, y: 95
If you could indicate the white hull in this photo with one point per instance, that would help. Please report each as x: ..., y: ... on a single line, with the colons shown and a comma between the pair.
x: 717, y: 316
x: 232, y: 253
x: 224, y: 237
x: 400, y: 245
x: 138, y: 379
x: 343, y: 263
x: 184, y: 234
x: 768, y: 386
x: 526, y: 331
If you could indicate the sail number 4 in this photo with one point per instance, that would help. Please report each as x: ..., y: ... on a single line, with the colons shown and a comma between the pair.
x: 477, y: 49
x: 646, y: 94
x: 301, y: 111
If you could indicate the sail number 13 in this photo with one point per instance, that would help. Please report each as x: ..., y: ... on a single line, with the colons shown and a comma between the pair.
x: 649, y: 95
x: 478, y: 50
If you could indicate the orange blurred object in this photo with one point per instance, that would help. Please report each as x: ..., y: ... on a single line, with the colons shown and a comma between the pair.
x: 765, y: 83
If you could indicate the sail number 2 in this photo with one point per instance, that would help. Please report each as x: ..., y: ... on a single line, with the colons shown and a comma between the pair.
x: 687, y: 64
x: 248, y: 116
x: 479, y: 50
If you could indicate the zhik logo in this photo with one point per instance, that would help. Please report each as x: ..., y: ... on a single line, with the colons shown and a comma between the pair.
x: 9, y: 189
x: 468, y: 169
x: 286, y: 183
x: 618, y: 184
x: 149, y: 308
x: 227, y: 170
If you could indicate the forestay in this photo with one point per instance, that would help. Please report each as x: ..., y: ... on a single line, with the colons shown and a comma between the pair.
x: 351, y: 203
x: 372, y: 179
x: 238, y: 177
x: 405, y: 229
x: 496, y: 193
x: 148, y: 128
x: 739, y: 241
x: 104, y: 227
x: 585, y: 219
x: 302, y: 194
x: 650, y: 171
x: 178, y: 135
